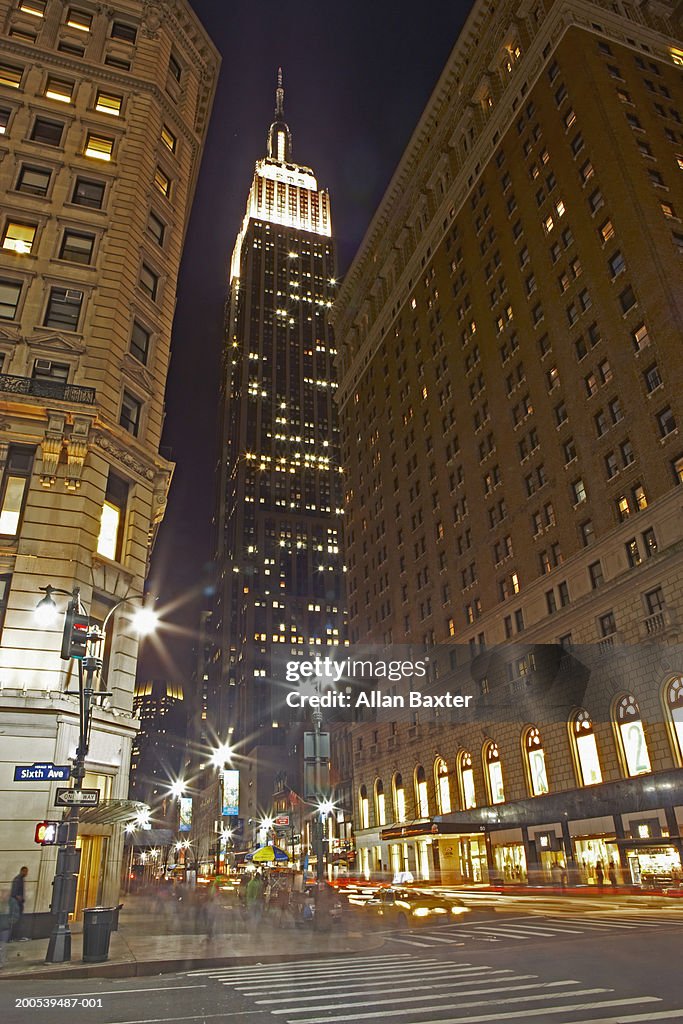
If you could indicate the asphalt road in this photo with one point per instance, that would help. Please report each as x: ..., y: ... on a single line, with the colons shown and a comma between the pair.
x: 604, y: 968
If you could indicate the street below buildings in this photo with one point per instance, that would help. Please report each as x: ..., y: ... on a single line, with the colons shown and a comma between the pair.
x: 599, y: 965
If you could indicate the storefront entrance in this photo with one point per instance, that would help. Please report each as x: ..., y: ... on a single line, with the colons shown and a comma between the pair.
x: 594, y: 856
x: 510, y: 863
x: 91, y: 876
x: 654, y: 867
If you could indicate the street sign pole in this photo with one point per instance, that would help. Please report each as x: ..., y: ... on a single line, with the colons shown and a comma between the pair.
x: 64, y: 885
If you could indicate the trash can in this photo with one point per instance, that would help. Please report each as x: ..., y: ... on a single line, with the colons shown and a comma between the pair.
x: 98, y: 923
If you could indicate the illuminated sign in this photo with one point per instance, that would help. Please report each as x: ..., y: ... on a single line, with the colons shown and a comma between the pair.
x: 185, y: 824
x: 230, y: 803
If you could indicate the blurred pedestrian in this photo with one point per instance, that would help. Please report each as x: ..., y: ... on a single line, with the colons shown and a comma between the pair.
x: 254, y: 897
x: 612, y: 875
x: 599, y: 874
x: 17, y: 900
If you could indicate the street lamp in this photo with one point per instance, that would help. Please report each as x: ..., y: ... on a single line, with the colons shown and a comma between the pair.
x: 79, y: 639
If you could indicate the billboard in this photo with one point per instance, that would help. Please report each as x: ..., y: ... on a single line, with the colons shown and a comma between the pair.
x: 185, y: 814
x: 230, y: 803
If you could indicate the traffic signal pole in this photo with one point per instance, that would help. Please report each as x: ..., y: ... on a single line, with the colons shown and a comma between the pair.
x: 78, y: 640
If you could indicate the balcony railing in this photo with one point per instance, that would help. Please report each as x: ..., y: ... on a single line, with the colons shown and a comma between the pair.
x: 47, y: 389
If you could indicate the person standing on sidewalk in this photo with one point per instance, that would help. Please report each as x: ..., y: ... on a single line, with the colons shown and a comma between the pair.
x: 255, y: 890
x: 5, y: 924
x: 17, y: 900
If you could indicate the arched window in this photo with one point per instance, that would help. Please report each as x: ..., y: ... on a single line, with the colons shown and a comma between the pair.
x: 421, y: 797
x: 363, y: 808
x: 494, y: 773
x: 585, y: 749
x: 468, y: 796
x: 442, y: 786
x: 631, y: 735
x: 674, y: 708
x: 399, y: 797
x: 534, y: 756
x: 380, y: 804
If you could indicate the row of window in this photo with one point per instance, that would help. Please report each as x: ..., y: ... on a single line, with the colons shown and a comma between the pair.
x: 457, y: 790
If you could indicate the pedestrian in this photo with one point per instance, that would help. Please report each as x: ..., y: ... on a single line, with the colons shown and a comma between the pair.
x: 254, y: 896
x: 612, y: 875
x: 5, y: 924
x: 17, y: 900
x: 556, y: 873
x: 599, y: 874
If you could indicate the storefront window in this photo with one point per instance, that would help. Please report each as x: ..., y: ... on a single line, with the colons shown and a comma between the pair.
x: 586, y: 749
x: 363, y: 808
x: 674, y: 706
x: 466, y: 780
x: 380, y: 804
x: 494, y: 773
x: 632, y: 736
x: 421, y: 797
x: 399, y: 798
x: 535, y: 761
x: 443, y: 788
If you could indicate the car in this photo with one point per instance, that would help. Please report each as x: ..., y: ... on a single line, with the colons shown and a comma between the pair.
x: 410, y: 908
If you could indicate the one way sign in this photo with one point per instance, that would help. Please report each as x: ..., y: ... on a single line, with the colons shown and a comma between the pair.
x: 77, y: 798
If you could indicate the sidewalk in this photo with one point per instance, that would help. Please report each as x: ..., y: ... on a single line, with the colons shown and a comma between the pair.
x: 157, y: 939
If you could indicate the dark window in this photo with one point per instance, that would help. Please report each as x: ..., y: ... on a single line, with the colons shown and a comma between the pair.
x: 156, y: 228
x: 607, y: 624
x: 131, y: 409
x: 47, y: 132
x: 174, y: 68
x: 149, y: 281
x: 63, y: 309
x: 627, y: 299
x: 34, y: 180
x: 595, y: 574
x: 73, y: 49
x: 127, y: 33
x: 77, y: 247
x: 9, y: 299
x: 139, y: 342
x: 654, y: 599
x: 5, y: 114
x: 117, y: 62
x: 88, y: 193
x: 666, y: 422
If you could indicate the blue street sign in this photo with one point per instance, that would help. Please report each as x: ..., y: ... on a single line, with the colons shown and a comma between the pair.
x: 43, y: 772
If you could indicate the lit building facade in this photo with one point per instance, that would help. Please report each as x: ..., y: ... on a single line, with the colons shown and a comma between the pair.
x: 510, y: 330
x: 159, y: 747
x: 103, y: 115
x: 279, y: 504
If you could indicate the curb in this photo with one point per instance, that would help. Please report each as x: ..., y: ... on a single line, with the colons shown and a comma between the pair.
x: 147, y: 968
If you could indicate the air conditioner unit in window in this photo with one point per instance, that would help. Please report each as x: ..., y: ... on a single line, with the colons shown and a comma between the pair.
x: 72, y: 295
x: 42, y: 364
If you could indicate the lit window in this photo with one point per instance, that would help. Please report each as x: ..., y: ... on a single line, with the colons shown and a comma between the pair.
x: 11, y: 76
x: 494, y: 773
x: 466, y: 780
x: 5, y: 114
x: 363, y: 808
x: 19, y: 237
x: 380, y: 804
x: 162, y: 182
x: 15, y: 483
x: 674, y: 707
x: 79, y: 20
x: 58, y: 89
x: 168, y: 138
x: 443, y: 789
x: 108, y: 103
x: 632, y: 738
x: 110, y: 539
x: 421, y: 797
x: 585, y: 749
x: 535, y: 759
x: 34, y: 7
x: 399, y: 798
x: 99, y: 147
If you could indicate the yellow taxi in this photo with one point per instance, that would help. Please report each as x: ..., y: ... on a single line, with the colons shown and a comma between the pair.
x: 409, y: 908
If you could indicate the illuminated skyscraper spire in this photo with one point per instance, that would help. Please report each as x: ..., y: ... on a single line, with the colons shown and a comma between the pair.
x: 279, y: 135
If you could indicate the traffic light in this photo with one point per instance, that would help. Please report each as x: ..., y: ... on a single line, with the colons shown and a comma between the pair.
x: 46, y: 833
x: 75, y: 635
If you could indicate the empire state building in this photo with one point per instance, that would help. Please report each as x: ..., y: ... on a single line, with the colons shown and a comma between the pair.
x: 279, y: 508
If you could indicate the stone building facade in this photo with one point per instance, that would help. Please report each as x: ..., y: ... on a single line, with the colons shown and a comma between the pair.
x: 104, y: 111
x: 511, y: 329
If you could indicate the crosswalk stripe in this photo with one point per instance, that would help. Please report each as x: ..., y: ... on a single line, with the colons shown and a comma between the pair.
x: 460, y: 995
x: 503, y: 930
x: 634, y: 1018
x: 294, y: 964
x: 306, y: 968
x: 446, y: 983
x: 421, y: 998
x: 447, y: 971
x: 431, y: 938
x: 506, y: 1015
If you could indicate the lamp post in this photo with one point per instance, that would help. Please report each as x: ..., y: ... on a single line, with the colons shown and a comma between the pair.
x: 81, y: 642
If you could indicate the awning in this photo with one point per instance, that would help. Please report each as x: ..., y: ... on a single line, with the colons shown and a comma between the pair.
x: 111, y: 811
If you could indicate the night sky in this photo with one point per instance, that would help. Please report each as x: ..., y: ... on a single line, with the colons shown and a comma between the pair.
x: 357, y: 77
